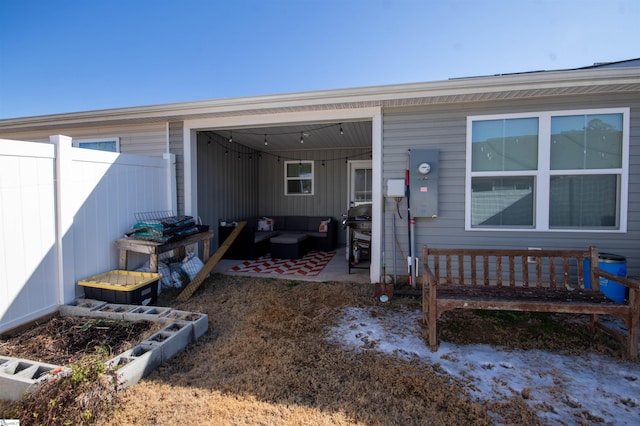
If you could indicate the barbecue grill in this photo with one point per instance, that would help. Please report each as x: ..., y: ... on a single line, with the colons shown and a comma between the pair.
x: 358, y: 223
x: 358, y: 217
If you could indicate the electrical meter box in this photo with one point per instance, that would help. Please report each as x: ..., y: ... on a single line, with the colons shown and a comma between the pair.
x: 424, y: 171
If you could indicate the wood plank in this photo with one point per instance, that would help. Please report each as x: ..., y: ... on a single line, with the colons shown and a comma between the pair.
x: 206, y: 269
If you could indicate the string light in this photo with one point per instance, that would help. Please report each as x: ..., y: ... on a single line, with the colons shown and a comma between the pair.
x: 248, y: 153
x: 265, y: 140
x: 307, y: 131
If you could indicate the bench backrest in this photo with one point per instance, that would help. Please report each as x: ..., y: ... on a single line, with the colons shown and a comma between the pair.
x: 504, y: 267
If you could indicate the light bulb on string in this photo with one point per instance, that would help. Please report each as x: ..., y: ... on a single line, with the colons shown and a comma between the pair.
x: 230, y: 137
x: 341, y: 131
x: 301, y: 137
x: 265, y: 140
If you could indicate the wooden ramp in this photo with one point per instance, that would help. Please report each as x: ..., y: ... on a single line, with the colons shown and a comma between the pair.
x: 208, y: 267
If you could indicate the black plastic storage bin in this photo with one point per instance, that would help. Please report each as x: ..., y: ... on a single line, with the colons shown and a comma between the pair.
x: 124, y: 287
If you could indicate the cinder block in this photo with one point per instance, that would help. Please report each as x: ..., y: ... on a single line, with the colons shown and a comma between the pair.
x: 200, y: 321
x: 146, y: 313
x: 172, y: 339
x: 18, y: 376
x: 132, y: 365
x: 81, y: 307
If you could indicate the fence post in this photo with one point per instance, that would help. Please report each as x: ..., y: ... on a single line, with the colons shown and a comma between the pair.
x: 64, y: 217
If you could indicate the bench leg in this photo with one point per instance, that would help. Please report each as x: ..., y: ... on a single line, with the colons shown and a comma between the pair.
x: 633, y: 338
x: 634, y: 323
x: 433, y: 336
x: 593, y: 322
x: 433, y: 318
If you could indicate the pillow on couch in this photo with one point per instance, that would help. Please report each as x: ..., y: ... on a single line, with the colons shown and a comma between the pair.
x: 265, y: 224
x: 324, y: 225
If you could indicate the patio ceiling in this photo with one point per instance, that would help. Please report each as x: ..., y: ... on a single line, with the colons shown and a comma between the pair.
x: 287, y: 138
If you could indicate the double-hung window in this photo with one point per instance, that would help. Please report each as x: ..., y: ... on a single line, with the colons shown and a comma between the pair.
x: 548, y: 171
x: 298, y: 177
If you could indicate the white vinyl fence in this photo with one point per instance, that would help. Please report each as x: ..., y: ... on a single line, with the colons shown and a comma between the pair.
x: 61, y: 209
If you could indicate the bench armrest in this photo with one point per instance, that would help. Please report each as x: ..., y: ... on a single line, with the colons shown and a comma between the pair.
x: 627, y: 282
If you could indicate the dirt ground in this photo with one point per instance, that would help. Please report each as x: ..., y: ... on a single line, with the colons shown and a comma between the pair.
x: 63, y: 340
x: 266, y: 360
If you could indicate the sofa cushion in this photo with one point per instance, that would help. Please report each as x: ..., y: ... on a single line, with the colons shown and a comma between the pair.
x: 264, y: 235
x: 297, y: 223
x: 288, y: 238
x: 317, y: 234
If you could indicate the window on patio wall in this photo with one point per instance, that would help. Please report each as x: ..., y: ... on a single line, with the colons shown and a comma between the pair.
x: 562, y: 170
x: 298, y: 177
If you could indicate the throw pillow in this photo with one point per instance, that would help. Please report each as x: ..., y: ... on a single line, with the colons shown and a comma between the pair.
x: 324, y: 225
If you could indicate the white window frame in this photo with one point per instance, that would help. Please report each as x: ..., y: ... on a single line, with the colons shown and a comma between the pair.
x: 79, y: 142
x: 543, y: 174
x: 288, y: 178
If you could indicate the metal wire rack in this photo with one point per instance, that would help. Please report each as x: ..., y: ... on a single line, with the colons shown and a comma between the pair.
x: 162, y: 226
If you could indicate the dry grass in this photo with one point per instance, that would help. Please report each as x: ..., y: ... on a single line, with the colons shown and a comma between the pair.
x: 266, y: 360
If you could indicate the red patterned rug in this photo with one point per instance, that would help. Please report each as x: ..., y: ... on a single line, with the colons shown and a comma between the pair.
x: 309, y: 266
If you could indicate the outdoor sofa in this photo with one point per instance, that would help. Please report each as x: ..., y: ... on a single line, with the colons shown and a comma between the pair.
x: 320, y: 234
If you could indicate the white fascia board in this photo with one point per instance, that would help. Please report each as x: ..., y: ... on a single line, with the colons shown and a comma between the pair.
x: 283, y: 119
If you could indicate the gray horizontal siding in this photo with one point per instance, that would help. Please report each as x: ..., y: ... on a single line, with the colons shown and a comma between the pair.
x: 444, y: 128
x: 147, y: 139
x: 330, y: 182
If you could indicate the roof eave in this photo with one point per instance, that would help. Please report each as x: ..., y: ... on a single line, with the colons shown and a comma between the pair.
x: 366, y: 96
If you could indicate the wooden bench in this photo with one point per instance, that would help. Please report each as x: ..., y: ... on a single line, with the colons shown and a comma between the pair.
x: 524, y: 280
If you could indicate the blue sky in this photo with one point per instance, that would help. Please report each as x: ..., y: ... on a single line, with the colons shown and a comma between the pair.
x: 60, y: 56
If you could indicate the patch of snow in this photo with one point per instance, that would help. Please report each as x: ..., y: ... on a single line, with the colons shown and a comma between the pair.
x: 594, y: 385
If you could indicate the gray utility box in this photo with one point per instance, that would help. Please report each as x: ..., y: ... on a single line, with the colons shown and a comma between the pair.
x: 424, y: 172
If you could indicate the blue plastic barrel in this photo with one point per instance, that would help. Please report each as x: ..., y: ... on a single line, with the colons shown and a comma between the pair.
x: 614, y: 264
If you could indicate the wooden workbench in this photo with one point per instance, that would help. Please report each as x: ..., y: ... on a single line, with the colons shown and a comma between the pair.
x: 153, y: 249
